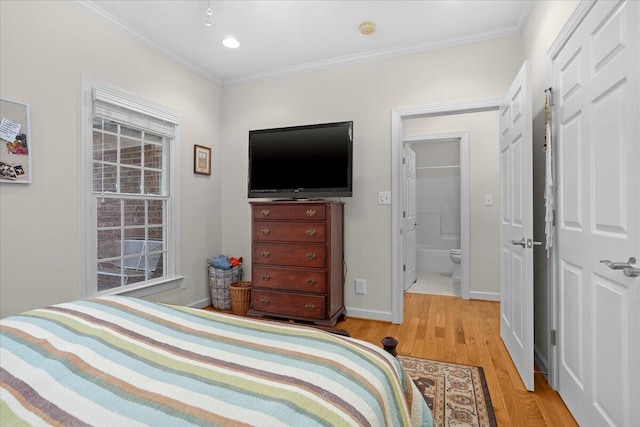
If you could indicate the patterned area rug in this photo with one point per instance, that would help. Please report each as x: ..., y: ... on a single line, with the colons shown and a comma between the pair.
x: 457, y: 394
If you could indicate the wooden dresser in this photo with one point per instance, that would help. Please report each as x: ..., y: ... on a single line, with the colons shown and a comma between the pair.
x: 297, y: 260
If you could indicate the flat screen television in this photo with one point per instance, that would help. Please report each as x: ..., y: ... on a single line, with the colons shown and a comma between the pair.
x: 301, y: 162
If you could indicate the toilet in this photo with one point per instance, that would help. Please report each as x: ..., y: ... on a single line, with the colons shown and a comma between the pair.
x: 456, y: 257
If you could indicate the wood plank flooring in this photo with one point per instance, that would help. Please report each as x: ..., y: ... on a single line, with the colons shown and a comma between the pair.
x: 468, y: 331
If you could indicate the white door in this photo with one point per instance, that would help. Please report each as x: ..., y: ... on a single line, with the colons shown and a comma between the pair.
x: 516, y: 263
x: 596, y: 82
x: 409, y: 216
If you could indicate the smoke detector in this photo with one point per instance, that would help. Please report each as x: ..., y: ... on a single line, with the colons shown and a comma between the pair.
x: 367, y: 27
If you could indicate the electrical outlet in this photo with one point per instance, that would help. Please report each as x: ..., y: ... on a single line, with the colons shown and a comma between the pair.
x: 384, y: 197
x: 183, y: 283
x: 361, y: 287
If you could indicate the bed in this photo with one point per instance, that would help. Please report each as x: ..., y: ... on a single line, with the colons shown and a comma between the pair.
x: 120, y: 361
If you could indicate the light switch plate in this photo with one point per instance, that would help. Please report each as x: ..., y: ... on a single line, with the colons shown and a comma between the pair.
x: 361, y: 286
x: 488, y: 199
x: 384, y: 197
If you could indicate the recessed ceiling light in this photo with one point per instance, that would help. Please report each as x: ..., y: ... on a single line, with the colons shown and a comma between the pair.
x: 231, y: 43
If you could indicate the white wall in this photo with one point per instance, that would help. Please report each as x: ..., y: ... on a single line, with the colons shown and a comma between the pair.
x: 365, y: 93
x: 45, y: 46
x: 545, y: 22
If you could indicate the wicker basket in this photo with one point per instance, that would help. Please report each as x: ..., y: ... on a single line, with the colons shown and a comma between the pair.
x: 240, y: 297
x: 219, y: 281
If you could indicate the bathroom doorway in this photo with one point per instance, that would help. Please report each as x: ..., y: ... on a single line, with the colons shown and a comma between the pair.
x: 437, y: 196
x: 440, y: 196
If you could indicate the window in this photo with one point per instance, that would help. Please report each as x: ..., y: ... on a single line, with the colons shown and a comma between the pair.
x: 131, y: 180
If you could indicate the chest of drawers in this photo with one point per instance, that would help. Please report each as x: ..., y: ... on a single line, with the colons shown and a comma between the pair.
x: 297, y: 260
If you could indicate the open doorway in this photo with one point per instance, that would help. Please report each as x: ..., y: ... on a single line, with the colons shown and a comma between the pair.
x: 440, y: 201
x: 401, y: 126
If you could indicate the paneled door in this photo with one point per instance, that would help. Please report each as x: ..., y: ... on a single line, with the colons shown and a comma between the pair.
x: 596, y: 82
x: 409, y: 223
x: 516, y: 225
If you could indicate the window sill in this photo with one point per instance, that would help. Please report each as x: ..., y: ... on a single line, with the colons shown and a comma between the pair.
x: 145, y: 289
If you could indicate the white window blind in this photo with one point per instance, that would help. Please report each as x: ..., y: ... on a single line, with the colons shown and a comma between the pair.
x: 122, y: 108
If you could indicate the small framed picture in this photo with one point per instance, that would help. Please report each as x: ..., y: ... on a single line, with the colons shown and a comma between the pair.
x: 201, y: 160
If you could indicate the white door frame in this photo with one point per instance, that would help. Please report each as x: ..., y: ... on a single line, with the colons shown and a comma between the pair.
x: 397, y: 116
x: 465, y: 220
x: 553, y: 309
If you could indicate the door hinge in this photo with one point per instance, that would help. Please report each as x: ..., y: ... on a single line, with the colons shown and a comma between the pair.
x: 550, y: 91
x: 404, y: 160
x: 553, y: 217
x: 404, y: 267
x: 554, y: 338
x: 404, y: 214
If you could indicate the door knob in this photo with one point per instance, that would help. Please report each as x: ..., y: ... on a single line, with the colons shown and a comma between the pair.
x: 629, y: 268
x: 522, y: 242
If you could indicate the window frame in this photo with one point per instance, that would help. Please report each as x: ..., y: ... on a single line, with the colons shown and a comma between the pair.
x: 138, y: 107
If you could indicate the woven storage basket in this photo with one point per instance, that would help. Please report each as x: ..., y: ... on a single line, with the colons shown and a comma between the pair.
x: 219, y: 281
x: 240, y: 297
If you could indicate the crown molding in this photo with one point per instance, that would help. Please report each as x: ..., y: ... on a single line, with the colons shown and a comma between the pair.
x: 522, y: 20
x: 367, y: 57
x: 97, y: 12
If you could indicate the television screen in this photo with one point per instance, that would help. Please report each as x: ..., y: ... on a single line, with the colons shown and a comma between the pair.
x: 301, y: 161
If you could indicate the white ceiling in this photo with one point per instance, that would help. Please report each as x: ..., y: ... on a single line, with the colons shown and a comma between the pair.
x: 283, y: 37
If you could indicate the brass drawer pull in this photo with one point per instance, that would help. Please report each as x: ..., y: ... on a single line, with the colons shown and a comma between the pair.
x: 311, y: 232
x: 264, y: 301
x: 311, y: 281
x: 265, y: 212
x: 266, y: 231
x: 311, y: 256
x: 310, y: 306
x: 265, y: 254
x: 266, y: 277
x: 311, y: 212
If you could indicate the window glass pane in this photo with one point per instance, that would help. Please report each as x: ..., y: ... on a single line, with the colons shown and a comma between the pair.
x: 153, y: 156
x: 156, y: 233
x: 108, y: 279
x: 130, y: 180
x: 130, y: 152
x: 98, y: 123
x: 104, y: 177
x: 108, y: 212
x: 156, y: 212
x: 152, y: 182
x: 124, y: 130
x: 149, y: 137
x: 133, y: 212
x: 109, y: 244
x: 104, y: 147
x: 133, y: 237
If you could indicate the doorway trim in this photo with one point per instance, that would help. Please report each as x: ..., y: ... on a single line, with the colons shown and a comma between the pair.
x: 465, y: 219
x: 397, y: 141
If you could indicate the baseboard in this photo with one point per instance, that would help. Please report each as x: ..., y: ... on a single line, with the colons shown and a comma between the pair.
x: 540, y: 360
x: 384, y: 316
x: 200, y: 304
x: 487, y: 296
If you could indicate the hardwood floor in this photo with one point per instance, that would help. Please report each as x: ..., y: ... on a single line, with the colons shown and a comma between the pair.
x: 468, y: 331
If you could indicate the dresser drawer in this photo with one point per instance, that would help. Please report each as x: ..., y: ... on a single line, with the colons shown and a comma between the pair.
x: 289, y: 231
x: 289, y: 279
x: 291, y: 304
x: 273, y: 211
x: 296, y: 255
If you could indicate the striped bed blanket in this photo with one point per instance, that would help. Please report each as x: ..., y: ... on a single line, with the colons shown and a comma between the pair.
x: 118, y: 361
